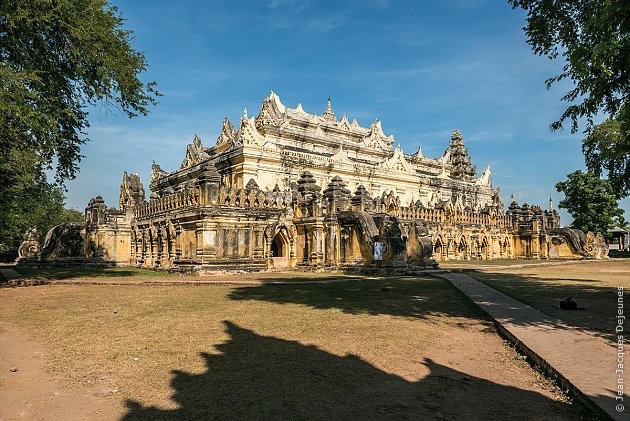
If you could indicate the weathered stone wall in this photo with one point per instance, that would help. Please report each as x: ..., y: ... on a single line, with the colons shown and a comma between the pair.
x: 289, y: 188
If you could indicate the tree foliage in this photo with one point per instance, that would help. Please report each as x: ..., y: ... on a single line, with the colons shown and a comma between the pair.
x: 607, y: 152
x: 590, y: 200
x: 56, y: 59
x: 594, y: 38
x: 30, y: 201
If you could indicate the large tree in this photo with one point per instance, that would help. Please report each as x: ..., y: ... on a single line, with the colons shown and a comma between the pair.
x: 29, y: 201
x: 58, y: 58
x: 607, y: 152
x: 593, y: 36
x: 590, y: 200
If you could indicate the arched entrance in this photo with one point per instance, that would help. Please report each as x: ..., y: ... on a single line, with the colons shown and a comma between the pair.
x: 484, y: 250
x: 437, y: 250
x: 279, y: 248
x: 462, y: 250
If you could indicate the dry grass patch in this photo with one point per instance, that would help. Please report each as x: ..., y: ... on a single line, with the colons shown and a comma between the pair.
x: 361, y: 349
x: 81, y: 272
x: 592, y: 284
x: 472, y: 264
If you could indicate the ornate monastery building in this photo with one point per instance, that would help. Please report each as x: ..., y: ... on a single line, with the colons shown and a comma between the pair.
x: 288, y: 189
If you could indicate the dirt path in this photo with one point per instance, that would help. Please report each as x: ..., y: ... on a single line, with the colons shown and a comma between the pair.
x: 28, y: 392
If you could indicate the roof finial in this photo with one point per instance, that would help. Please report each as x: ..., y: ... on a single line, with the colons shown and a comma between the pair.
x: 245, y: 112
x: 328, y: 114
x: 550, y: 204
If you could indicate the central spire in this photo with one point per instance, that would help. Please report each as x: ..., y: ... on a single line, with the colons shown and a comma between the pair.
x: 328, y: 114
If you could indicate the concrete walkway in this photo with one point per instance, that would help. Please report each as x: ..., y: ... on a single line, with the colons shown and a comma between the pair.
x: 582, y: 363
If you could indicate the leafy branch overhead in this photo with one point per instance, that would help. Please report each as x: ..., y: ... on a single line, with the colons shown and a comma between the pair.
x: 594, y: 38
x: 56, y: 60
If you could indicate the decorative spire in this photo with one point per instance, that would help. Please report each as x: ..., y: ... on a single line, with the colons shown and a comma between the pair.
x: 245, y: 113
x: 550, y: 204
x: 328, y: 114
x: 197, y: 141
x: 459, y: 158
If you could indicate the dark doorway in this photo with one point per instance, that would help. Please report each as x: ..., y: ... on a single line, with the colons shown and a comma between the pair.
x: 277, y: 247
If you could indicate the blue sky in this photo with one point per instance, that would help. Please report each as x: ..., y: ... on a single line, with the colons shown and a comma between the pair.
x: 423, y: 68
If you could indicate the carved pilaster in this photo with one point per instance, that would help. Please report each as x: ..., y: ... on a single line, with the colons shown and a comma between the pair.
x: 257, y: 252
x: 206, y: 241
x: 317, y: 254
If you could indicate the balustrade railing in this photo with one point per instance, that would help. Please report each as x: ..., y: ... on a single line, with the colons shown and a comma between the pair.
x: 452, y: 218
x: 248, y: 198
x: 179, y: 200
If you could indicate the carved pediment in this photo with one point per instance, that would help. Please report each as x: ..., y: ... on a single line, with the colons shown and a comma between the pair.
x: 397, y: 162
x: 190, y: 159
x: 227, y: 132
x: 195, y: 153
x: 247, y: 134
x: 340, y: 155
x: 343, y: 123
x: 131, y: 191
x: 376, y: 139
x: 158, y: 172
x: 271, y: 112
x: 444, y: 158
x: 484, y: 180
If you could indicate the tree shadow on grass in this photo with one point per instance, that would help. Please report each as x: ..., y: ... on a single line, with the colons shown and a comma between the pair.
x: 263, y: 377
x: 545, y: 294
x: 405, y: 297
x: 76, y: 272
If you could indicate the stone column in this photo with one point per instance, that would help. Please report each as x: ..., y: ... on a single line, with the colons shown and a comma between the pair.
x: 133, y: 259
x: 257, y: 248
x: 535, y: 247
x: 317, y: 253
x: 308, y: 244
x: 235, y: 241
x: 154, y: 248
x: 249, y: 244
x: 544, y: 247
x: 172, y: 246
x: 240, y: 242
x: 331, y: 244
x: 146, y: 248
x: 206, y: 241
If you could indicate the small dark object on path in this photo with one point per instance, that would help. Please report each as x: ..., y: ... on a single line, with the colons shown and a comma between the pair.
x: 569, y: 304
